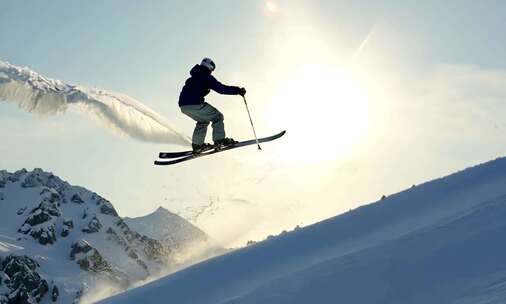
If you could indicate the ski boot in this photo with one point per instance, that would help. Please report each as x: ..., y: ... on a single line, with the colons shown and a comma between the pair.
x: 225, y: 142
x: 197, y: 149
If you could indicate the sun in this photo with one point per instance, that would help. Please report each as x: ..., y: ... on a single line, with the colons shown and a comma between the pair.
x: 271, y: 7
x: 324, y: 110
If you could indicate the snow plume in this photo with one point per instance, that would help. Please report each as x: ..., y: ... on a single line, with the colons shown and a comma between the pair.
x: 39, y: 95
x: 99, y: 290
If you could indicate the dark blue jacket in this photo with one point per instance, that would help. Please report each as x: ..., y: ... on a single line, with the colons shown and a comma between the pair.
x: 199, y: 85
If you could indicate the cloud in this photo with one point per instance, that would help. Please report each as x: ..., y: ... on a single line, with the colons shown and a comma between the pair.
x: 118, y: 112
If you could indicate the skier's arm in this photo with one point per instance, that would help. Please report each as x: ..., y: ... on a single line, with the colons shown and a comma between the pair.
x: 219, y: 87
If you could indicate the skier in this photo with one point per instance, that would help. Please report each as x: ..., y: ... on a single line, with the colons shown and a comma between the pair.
x: 192, y: 104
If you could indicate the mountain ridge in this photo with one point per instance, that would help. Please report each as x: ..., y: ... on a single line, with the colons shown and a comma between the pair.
x: 189, y: 243
x: 61, y: 243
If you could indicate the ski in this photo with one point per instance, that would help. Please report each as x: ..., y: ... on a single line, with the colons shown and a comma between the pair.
x: 187, y: 155
x: 174, y: 154
x: 179, y: 154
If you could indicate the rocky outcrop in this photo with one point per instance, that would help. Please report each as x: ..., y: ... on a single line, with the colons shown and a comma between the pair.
x: 67, y: 226
x: 105, y: 206
x: 131, y: 252
x: 38, y: 177
x: 40, y: 223
x: 76, y: 198
x: 21, y: 210
x: 152, y: 248
x: 155, y: 249
x: 89, y: 259
x: 14, y: 177
x: 93, y: 225
x: 55, y: 293
x: 25, y: 285
x: 4, y: 175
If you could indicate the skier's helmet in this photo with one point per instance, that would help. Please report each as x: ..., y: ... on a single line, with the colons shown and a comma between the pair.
x: 208, y: 63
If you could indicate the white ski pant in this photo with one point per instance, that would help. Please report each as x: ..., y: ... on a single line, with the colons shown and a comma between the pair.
x: 204, y: 114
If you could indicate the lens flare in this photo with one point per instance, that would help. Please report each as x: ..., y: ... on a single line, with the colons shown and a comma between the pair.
x: 271, y: 7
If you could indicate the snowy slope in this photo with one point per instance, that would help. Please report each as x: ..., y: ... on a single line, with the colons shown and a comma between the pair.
x: 440, y: 242
x: 188, y: 242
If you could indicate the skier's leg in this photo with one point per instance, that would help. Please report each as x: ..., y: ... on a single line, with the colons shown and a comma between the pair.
x: 219, y: 129
x: 197, y: 113
x: 217, y: 124
x: 204, y: 114
x: 210, y: 114
x: 199, y: 133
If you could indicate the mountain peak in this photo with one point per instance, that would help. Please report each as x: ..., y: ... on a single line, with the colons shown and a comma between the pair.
x: 163, y: 224
x: 162, y: 210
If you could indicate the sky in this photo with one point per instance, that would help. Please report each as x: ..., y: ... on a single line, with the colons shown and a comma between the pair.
x: 376, y: 96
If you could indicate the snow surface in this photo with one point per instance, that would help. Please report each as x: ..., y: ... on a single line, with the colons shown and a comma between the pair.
x: 119, y: 112
x: 439, y: 242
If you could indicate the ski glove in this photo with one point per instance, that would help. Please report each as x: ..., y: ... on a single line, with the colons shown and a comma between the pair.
x: 242, y: 91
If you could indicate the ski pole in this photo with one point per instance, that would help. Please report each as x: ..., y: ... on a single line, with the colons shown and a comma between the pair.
x: 251, y: 121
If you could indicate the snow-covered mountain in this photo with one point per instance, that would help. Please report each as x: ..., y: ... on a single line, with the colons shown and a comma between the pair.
x: 187, y: 242
x: 63, y: 243
x: 439, y: 242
